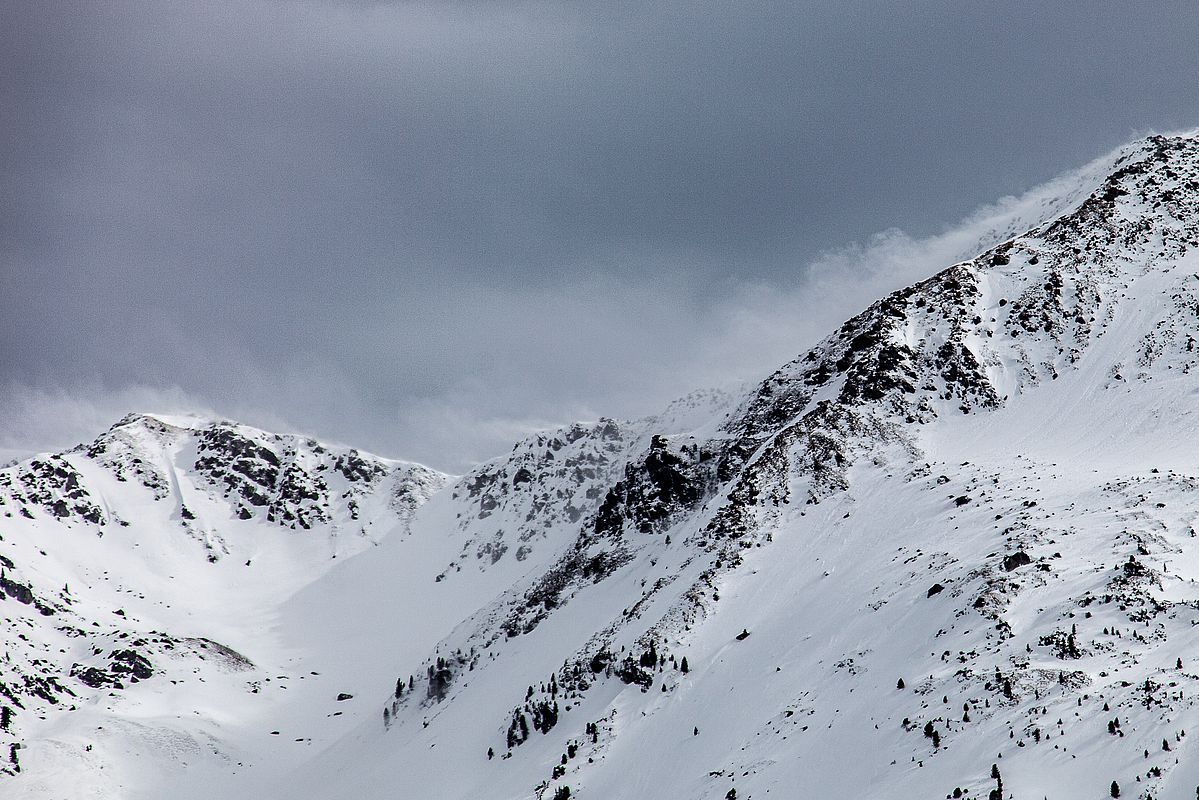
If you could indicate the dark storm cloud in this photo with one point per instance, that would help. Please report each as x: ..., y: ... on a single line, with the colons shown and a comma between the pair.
x: 425, y: 227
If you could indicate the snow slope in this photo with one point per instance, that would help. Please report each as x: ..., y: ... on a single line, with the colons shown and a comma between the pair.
x: 956, y: 539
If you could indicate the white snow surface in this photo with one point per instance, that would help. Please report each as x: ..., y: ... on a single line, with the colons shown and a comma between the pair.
x: 985, y: 486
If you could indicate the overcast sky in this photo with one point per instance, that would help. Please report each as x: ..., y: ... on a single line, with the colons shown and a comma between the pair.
x: 424, y: 229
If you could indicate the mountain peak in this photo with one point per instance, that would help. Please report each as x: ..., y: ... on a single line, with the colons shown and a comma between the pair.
x: 183, y: 421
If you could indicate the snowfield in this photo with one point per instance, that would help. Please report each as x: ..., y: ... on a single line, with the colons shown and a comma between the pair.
x: 950, y: 551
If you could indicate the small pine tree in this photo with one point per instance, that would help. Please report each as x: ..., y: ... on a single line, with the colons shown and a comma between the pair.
x: 683, y: 667
x: 899, y: 684
x: 490, y: 753
x: 1115, y: 789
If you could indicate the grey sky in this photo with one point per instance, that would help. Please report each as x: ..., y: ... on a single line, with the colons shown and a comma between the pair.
x: 423, y: 228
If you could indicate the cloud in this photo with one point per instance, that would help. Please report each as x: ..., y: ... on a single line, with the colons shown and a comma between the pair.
x: 453, y: 376
x: 423, y: 227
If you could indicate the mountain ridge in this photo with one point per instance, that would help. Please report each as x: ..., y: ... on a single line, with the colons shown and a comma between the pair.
x: 607, y: 587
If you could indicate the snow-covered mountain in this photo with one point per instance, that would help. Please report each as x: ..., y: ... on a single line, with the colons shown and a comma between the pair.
x: 950, y: 551
x: 141, y: 574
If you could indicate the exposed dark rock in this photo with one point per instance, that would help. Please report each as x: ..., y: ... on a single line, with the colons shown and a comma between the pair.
x: 18, y: 591
x: 132, y: 663
x: 1016, y: 560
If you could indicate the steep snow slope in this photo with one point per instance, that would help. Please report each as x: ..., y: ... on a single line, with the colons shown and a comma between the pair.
x: 958, y: 489
x: 957, y: 534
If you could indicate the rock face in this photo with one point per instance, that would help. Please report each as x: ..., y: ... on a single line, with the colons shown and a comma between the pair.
x: 980, y: 490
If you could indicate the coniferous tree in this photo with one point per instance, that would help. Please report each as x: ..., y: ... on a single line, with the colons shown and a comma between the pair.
x: 649, y: 658
x: 1115, y: 789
